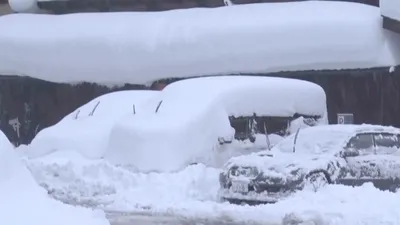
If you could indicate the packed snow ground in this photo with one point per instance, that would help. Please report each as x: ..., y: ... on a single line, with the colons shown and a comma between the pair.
x: 23, y: 201
x: 192, y: 194
x: 116, y: 48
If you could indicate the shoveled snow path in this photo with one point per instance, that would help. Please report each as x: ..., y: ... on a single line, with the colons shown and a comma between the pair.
x: 189, y: 197
x: 118, y: 218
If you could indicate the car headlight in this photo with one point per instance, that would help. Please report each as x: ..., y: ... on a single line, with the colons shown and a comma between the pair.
x: 249, y: 172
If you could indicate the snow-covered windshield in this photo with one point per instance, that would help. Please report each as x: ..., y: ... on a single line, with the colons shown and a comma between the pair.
x: 315, y: 140
x: 376, y: 144
x: 387, y: 143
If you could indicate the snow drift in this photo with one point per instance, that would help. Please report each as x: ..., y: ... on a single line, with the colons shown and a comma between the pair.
x: 87, y: 129
x: 390, y: 8
x: 24, y: 202
x: 182, y: 124
x: 192, y: 194
x: 141, y: 47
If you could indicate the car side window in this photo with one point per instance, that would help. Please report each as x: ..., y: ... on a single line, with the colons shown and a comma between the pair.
x: 364, y: 143
x: 387, y: 143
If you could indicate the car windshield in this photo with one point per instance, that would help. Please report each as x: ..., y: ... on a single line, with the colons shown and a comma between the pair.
x: 387, y: 143
x: 314, y: 140
x: 375, y: 143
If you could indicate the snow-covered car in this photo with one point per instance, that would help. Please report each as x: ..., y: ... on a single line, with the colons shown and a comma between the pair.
x: 88, y: 127
x: 314, y: 157
x: 194, y: 120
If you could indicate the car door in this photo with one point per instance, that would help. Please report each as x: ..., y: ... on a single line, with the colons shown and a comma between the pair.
x: 387, y: 160
x: 373, y: 159
x: 357, y: 154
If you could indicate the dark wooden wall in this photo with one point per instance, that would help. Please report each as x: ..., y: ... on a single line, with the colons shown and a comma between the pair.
x: 372, y: 95
x: 38, y: 104
x: 72, y: 6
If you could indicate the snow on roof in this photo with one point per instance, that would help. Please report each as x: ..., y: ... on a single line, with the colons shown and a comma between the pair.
x: 324, y: 140
x: 112, y: 105
x: 142, y: 47
x: 244, y: 96
x: 351, y: 128
x: 330, y: 137
x: 390, y: 8
x: 90, y: 123
x: 194, y: 112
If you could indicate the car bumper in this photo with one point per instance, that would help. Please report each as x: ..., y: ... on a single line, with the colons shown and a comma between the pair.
x: 251, y: 197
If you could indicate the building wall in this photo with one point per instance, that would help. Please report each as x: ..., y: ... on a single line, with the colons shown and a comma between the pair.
x: 37, y: 104
x: 4, y: 8
x: 373, y: 97
x: 152, y: 5
x: 61, y: 7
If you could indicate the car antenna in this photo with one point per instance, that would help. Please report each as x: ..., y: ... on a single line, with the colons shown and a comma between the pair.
x: 295, y: 139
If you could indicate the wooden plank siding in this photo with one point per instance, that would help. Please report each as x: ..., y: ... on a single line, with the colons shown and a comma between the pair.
x: 391, y: 24
x: 60, y: 7
x: 4, y: 8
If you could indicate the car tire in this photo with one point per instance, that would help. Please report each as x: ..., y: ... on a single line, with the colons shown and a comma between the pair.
x: 252, y: 138
x: 394, y: 188
x: 315, y: 181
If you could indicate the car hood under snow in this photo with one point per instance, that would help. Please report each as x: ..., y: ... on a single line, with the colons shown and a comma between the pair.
x: 284, y: 166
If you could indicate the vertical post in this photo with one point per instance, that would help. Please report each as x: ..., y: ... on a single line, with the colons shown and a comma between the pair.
x: 134, y: 110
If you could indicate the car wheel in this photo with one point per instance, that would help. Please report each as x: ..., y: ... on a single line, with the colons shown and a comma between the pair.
x: 252, y: 138
x: 394, y: 188
x: 315, y: 181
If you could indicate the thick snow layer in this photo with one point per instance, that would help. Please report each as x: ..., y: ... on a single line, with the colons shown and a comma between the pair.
x: 23, y: 201
x: 390, y: 8
x: 316, y: 148
x: 24, y: 6
x: 192, y: 193
x: 73, y: 178
x: 241, y: 96
x: 194, y: 114
x: 146, y: 46
x: 90, y: 123
x: 331, y: 138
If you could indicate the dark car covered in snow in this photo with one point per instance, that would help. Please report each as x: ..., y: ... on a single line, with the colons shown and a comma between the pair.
x: 314, y: 157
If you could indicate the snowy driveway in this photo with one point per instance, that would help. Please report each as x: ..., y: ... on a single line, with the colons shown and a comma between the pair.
x: 148, y: 219
x: 189, y: 197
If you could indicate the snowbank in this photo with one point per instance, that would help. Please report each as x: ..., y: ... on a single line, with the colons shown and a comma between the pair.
x: 390, y: 8
x: 99, y: 183
x: 194, y: 114
x: 125, y: 47
x: 24, y: 202
x: 191, y: 194
x: 86, y: 132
